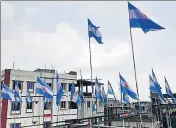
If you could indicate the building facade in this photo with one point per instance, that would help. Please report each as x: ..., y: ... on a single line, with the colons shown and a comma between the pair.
x: 38, y: 112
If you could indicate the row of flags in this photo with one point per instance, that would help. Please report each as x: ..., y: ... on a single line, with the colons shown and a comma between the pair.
x: 155, y: 88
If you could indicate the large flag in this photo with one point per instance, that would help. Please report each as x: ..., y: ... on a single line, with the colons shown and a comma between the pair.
x: 74, y: 95
x: 98, y: 91
x: 168, y: 91
x: 157, y: 86
x: 17, y: 93
x: 43, y: 89
x: 93, y: 32
x: 7, y: 93
x: 28, y: 97
x: 152, y: 86
x: 125, y: 88
x: 140, y: 20
x: 59, y: 90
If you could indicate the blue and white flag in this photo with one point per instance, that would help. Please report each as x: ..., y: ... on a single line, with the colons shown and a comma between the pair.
x: 98, y: 91
x: 104, y: 94
x: 28, y: 97
x: 157, y: 86
x: 140, y: 20
x: 74, y: 95
x: 126, y: 99
x: 59, y: 90
x: 168, y: 91
x: 94, y: 107
x: 152, y: 86
x: 7, y: 93
x: 17, y: 93
x: 93, y: 32
x: 110, y: 89
x: 81, y: 95
x: 125, y: 88
x: 43, y: 89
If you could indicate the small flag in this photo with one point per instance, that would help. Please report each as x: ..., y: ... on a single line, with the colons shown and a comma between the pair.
x: 72, y: 91
x: 94, y: 108
x: 125, y: 88
x: 157, y: 86
x: 93, y: 32
x: 168, y: 91
x: 126, y: 98
x: 74, y: 95
x: 59, y: 90
x: 7, y: 93
x: 28, y: 97
x: 110, y: 89
x: 43, y: 89
x: 17, y: 93
x: 98, y: 91
x: 140, y: 20
x: 152, y: 86
x: 104, y: 94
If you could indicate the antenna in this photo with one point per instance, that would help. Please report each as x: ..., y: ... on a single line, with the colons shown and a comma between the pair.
x: 13, y: 63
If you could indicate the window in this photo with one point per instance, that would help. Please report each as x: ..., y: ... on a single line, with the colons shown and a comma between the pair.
x: 15, y: 125
x: 72, y: 105
x: 29, y: 107
x: 70, y: 85
x: 63, y: 105
x: 19, y: 83
x: 64, y: 86
x: 16, y: 107
x: 47, y: 105
x: 47, y: 124
x: 30, y: 86
x: 88, y: 104
x: 1, y: 84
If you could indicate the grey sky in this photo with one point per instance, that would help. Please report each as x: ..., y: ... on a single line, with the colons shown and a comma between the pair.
x: 55, y: 33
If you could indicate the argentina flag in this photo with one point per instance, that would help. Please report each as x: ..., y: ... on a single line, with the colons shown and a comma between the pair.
x: 93, y: 32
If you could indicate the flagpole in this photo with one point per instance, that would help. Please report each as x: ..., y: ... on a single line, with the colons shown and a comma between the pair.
x: 91, y: 72
x: 134, y: 64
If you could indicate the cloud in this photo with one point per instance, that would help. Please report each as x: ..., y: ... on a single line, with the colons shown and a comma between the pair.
x: 30, y: 11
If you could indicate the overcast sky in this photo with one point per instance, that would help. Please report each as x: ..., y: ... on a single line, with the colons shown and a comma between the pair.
x: 55, y: 33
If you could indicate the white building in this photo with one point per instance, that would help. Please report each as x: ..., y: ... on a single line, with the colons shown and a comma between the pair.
x: 37, y: 112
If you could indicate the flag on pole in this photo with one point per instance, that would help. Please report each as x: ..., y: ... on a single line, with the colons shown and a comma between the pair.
x: 74, y: 95
x: 104, y: 94
x: 125, y: 88
x: 59, y: 90
x: 168, y: 91
x: 93, y: 32
x: 139, y: 20
x: 126, y: 98
x: 94, y: 108
x: 152, y: 86
x: 82, y: 95
x: 43, y: 89
x: 110, y: 89
x: 98, y: 91
x: 157, y: 86
x: 28, y: 97
x: 7, y: 93
x: 17, y: 93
